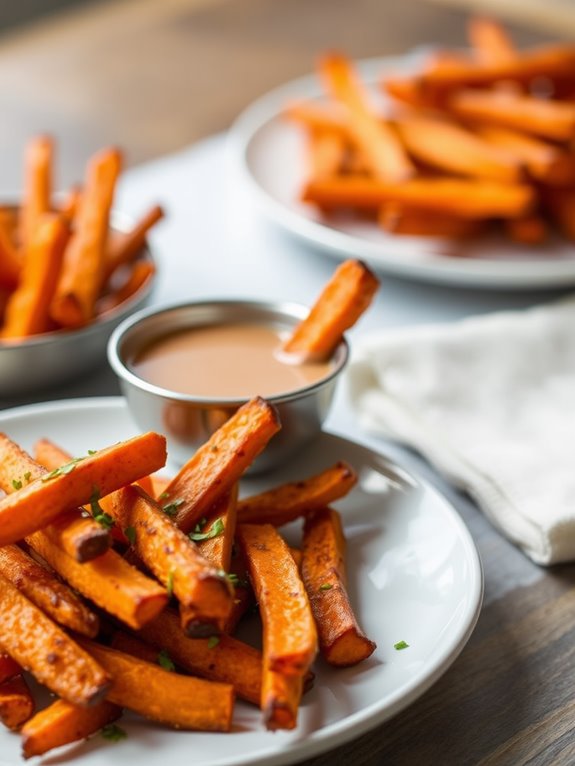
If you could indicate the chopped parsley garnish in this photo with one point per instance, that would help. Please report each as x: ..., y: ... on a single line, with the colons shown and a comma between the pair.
x: 130, y: 533
x: 170, y: 509
x: 164, y: 496
x: 216, y: 530
x: 233, y: 578
x: 103, y: 518
x: 326, y: 586
x: 213, y: 641
x: 170, y: 584
x: 92, y: 451
x: 165, y: 661
x: 63, y: 469
x: 401, y: 645
x: 17, y: 484
x: 113, y: 733
x: 27, y: 476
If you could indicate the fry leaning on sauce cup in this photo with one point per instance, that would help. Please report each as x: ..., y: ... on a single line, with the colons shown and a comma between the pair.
x: 187, y: 368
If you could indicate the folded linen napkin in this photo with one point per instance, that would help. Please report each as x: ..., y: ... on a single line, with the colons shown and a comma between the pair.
x: 490, y: 402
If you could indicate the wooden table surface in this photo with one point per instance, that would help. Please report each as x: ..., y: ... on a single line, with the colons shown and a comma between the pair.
x: 156, y: 76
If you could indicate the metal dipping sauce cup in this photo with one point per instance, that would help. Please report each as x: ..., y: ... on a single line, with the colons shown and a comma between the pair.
x: 188, y: 421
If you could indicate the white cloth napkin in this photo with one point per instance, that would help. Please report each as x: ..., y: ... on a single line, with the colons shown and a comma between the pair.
x: 490, y: 401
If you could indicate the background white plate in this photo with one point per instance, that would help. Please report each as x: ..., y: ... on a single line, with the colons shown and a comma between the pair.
x: 271, y: 153
x: 414, y: 575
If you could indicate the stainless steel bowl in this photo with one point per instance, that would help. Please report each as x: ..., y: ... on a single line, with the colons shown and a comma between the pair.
x: 45, y: 360
x: 188, y: 421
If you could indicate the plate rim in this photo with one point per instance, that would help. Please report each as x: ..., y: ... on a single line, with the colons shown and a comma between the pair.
x: 465, y: 272
x: 352, y: 726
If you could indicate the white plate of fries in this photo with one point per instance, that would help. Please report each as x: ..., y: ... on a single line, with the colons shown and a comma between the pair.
x: 414, y: 580
x: 284, y: 161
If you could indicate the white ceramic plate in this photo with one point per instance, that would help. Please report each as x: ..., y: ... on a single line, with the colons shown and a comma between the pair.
x: 271, y: 153
x: 414, y: 573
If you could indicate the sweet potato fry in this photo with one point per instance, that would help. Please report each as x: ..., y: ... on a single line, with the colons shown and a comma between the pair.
x: 124, y: 247
x: 172, y: 557
x: 490, y: 42
x: 465, y: 198
x: 140, y: 273
x: 83, y: 271
x: 408, y: 91
x: 45, y: 498
x: 70, y: 204
x: 445, y: 145
x: 326, y: 153
x: 8, y: 667
x: 16, y: 703
x: 109, y: 581
x: 215, y: 539
x: 399, y: 219
x: 10, y: 262
x: 316, y: 116
x: 529, y: 230
x: 243, y: 594
x: 51, y: 595
x: 542, y: 117
x: 290, y: 640
x: 9, y: 222
x: 342, y: 301
x: 42, y: 648
x: 555, y: 62
x: 36, y: 202
x: 135, y: 647
x: 151, y: 691
x: 82, y: 538
x: 289, y: 501
x: 544, y: 161
x: 219, y: 463
x: 341, y: 640
x: 220, y: 658
x: 382, y: 150
x: 62, y: 723
x: 289, y: 633
x: 296, y: 555
x: 280, y: 700
x: 27, y: 310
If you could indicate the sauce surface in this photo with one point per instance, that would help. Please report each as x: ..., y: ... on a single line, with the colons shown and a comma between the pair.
x: 224, y: 361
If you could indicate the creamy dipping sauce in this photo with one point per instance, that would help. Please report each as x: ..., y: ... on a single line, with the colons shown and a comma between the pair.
x: 225, y: 362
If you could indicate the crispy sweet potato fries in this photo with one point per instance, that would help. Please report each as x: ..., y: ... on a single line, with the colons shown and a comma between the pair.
x: 121, y: 589
x: 60, y: 265
x: 472, y: 143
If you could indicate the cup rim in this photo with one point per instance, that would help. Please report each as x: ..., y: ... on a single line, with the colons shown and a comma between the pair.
x: 291, y: 309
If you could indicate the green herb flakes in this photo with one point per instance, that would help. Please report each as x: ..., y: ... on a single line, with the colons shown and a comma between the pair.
x: 401, y: 645
x: 130, y: 533
x: 170, y: 509
x: 62, y: 470
x: 170, y: 583
x: 113, y: 733
x: 17, y: 484
x: 216, y: 530
x: 213, y: 641
x: 326, y: 586
x: 100, y: 516
x: 165, y: 661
